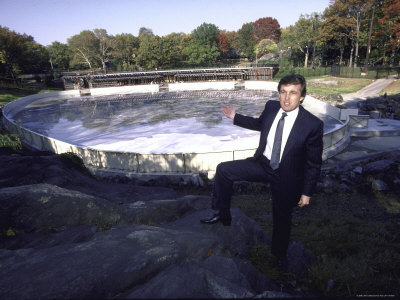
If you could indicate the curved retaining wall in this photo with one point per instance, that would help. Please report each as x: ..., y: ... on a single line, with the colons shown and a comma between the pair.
x: 109, y: 163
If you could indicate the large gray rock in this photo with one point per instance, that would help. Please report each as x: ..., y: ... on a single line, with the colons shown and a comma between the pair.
x: 379, y: 166
x: 69, y: 235
x: 215, y: 277
x: 42, y: 167
x: 130, y: 257
x: 45, y: 207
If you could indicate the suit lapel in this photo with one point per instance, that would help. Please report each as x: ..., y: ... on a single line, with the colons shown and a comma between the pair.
x: 270, y: 119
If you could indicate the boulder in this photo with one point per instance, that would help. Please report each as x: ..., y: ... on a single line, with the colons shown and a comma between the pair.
x: 379, y: 166
x: 66, y: 234
x: 135, y: 259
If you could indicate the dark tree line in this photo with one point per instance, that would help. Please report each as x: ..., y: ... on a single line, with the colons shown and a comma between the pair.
x: 348, y: 32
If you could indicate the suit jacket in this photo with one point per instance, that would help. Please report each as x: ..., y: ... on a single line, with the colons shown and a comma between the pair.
x: 301, y: 160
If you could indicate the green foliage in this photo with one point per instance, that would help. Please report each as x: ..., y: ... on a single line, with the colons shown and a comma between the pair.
x: 59, y: 55
x: 75, y: 160
x: 10, y: 141
x: 266, y: 46
x: 149, y: 55
x: 245, y: 41
x: 206, y: 35
x: 201, y: 55
x: 339, y: 35
x: 20, y: 53
x: 84, y: 47
x: 125, y: 50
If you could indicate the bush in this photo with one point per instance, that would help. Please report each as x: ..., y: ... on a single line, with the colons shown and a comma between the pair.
x: 10, y: 141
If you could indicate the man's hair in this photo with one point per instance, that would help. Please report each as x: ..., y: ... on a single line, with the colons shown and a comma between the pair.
x: 294, y: 79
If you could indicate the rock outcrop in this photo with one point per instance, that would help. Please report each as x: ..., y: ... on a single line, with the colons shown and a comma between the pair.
x: 65, y: 234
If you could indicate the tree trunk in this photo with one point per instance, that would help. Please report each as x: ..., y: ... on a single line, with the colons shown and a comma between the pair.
x: 315, y: 40
x: 357, y: 41
x: 104, y: 66
x: 351, y: 55
x: 85, y: 58
x: 369, y: 40
x: 341, y: 56
x: 392, y: 56
x: 306, y: 58
x: 10, y: 70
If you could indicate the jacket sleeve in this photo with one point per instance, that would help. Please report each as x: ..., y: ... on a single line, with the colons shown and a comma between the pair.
x: 250, y: 122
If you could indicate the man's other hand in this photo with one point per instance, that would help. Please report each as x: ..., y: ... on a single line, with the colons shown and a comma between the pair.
x: 229, y: 112
x: 304, y: 200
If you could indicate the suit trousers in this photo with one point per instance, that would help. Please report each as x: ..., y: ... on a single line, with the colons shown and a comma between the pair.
x: 255, y: 170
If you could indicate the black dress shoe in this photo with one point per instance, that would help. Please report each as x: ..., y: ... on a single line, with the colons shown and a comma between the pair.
x: 215, y: 219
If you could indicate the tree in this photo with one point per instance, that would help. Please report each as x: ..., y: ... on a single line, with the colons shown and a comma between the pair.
x: 20, y: 53
x: 245, y: 41
x: 126, y: 48
x: 369, y: 38
x: 172, y: 52
x: 105, y: 47
x: 206, y: 34
x: 266, y: 46
x: 349, y: 23
x: 145, y: 31
x: 59, y: 55
x: 299, y: 36
x: 233, y: 42
x: 202, y: 49
x: 201, y: 55
x: 12, y: 48
x: 223, y: 44
x: 266, y: 28
x: 36, y: 58
x: 390, y: 26
x: 315, y: 37
x: 334, y: 28
x: 149, y: 54
x: 85, y: 47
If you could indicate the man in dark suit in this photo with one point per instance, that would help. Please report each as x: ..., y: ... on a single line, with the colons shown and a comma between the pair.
x: 292, y: 171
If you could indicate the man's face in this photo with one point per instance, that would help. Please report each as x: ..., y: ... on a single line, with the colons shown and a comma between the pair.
x: 290, y: 96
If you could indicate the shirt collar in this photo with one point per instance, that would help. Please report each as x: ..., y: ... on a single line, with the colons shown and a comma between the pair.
x: 292, y: 114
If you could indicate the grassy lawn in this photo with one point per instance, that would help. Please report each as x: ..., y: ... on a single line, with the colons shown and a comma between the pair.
x: 328, y: 85
x: 392, y: 89
x: 8, y: 95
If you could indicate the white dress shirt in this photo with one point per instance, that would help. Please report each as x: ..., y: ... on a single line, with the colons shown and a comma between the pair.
x: 289, y: 121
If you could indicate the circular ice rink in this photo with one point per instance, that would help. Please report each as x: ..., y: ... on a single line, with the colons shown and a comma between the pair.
x: 126, y: 124
x: 149, y: 132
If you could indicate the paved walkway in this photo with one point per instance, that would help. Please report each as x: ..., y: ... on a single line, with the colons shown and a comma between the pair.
x: 381, y: 135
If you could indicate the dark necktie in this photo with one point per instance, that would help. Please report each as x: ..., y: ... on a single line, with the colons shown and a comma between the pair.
x: 276, y: 149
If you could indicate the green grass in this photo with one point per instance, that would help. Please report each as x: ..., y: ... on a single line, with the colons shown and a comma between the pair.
x: 8, y: 95
x: 392, y: 89
x: 355, y: 236
x: 344, y: 86
x: 10, y: 141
